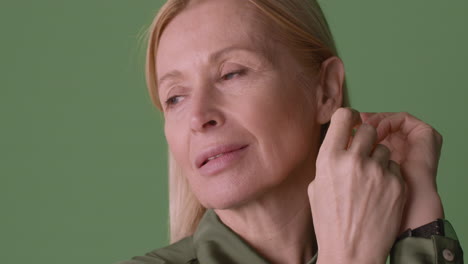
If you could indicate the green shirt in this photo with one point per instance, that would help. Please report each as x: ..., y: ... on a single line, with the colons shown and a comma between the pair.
x: 215, y: 243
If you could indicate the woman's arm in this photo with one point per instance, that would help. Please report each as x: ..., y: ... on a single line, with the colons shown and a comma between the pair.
x: 358, y: 195
x: 416, y: 147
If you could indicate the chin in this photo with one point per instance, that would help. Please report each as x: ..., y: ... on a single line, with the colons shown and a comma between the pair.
x: 234, y: 187
x: 227, y: 195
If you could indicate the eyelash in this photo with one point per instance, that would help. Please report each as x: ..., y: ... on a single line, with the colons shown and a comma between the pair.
x: 169, y: 102
x: 239, y: 72
x: 170, y: 99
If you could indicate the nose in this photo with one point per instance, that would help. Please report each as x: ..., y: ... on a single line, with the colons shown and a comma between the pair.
x: 205, y: 114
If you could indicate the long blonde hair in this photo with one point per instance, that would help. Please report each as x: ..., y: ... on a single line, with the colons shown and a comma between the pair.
x: 302, y: 26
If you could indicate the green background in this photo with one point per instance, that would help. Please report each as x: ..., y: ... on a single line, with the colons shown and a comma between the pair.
x: 82, y: 150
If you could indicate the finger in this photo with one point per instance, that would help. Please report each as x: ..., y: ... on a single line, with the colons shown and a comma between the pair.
x: 387, y: 123
x: 377, y: 117
x: 394, y: 167
x: 341, y: 124
x: 366, y: 115
x: 364, y: 140
x: 382, y: 154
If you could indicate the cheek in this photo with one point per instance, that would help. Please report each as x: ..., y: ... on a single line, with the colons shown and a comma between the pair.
x: 278, y: 108
x: 177, y: 143
x: 281, y: 123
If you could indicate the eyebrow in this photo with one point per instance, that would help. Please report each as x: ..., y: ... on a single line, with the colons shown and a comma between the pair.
x: 213, y: 56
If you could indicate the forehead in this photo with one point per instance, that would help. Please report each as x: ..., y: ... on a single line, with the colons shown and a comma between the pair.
x: 204, y: 27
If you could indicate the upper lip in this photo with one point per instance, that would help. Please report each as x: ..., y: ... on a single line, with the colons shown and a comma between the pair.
x: 216, y: 150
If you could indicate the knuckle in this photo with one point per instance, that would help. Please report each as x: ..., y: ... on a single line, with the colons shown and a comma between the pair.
x: 352, y: 164
x: 354, y: 159
x: 397, y: 186
x: 383, y: 148
x: 369, y: 129
x: 394, y: 164
x: 376, y: 168
x: 402, y: 194
x: 398, y: 182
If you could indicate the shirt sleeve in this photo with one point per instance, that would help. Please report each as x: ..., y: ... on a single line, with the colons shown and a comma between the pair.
x: 434, y: 250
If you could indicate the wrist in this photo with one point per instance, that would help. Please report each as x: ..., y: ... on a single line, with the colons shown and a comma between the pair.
x: 425, y: 208
x: 346, y: 259
x: 326, y: 261
x: 421, y: 182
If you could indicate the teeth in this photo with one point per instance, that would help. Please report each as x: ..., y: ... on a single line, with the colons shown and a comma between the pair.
x: 214, y: 157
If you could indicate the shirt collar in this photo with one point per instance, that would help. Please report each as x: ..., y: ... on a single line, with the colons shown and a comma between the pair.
x: 214, y: 241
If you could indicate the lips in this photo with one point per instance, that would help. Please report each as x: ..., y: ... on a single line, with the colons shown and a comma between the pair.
x: 215, y: 152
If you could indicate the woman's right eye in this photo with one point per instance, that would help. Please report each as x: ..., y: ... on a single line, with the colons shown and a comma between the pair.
x: 231, y: 75
x: 173, y: 100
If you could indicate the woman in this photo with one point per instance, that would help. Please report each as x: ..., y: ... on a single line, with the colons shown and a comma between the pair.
x: 264, y: 167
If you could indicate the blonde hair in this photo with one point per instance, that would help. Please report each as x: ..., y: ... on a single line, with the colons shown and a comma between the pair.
x: 302, y: 26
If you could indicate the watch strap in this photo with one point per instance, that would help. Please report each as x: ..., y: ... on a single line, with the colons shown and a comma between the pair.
x: 436, y: 227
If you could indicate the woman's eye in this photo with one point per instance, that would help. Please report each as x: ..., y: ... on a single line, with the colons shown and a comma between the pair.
x: 173, y: 100
x: 231, y: 75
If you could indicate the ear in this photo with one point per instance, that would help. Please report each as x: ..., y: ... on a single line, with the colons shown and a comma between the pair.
x: 329, y: 89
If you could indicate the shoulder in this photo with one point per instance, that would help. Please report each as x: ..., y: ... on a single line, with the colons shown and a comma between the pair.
x: 181, y: 252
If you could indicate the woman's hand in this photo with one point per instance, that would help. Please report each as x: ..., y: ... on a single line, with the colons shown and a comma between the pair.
x: 358, y: 195
x: 416, y: 146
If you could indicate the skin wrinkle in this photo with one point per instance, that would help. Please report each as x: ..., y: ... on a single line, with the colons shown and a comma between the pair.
x: 262, y: 45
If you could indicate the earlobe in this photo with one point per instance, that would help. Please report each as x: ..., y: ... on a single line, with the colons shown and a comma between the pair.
x: 330, y: 88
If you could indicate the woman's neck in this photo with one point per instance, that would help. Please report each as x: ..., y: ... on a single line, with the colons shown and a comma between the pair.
x: 278, y: 225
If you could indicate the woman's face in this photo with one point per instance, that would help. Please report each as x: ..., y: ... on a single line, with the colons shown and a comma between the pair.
x: 236, y: 117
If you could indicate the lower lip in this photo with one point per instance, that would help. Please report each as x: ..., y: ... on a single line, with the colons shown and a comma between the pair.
x: 219, y: 164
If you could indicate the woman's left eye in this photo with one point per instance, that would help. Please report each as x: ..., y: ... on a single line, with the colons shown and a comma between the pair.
x: 231, y: 75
